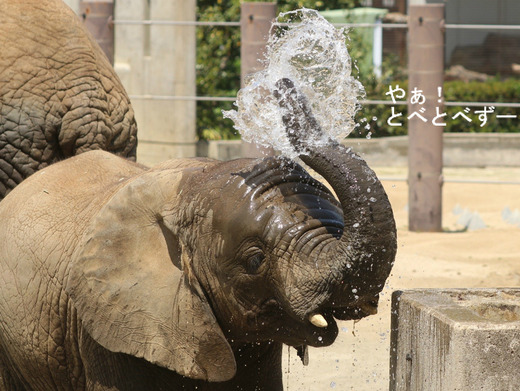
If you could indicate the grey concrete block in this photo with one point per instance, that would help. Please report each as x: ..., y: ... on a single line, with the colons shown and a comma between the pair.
x: 455, y: 340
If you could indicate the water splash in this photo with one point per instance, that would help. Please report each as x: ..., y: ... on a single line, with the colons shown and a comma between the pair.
x: 313, y: 54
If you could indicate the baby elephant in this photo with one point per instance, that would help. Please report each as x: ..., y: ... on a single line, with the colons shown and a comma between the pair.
x: 189, y: 275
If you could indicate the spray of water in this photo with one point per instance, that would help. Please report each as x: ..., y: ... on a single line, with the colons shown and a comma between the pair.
x: 313, y: 54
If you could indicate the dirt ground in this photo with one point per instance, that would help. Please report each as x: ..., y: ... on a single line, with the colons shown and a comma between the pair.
x: 488, y: 257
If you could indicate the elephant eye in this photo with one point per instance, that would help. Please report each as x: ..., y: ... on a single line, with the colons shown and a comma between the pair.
x: 254, y: 262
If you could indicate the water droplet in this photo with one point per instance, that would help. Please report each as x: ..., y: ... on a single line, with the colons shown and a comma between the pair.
x: 332, y: 384
x: 320, y: 338
x: 312, y: 53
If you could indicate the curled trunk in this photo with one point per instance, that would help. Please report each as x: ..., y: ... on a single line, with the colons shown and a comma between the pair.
x: 365, y: 252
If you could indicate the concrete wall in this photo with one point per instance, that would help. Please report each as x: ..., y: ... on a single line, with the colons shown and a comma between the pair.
x: 159, y: 60
x: 460, y: 150
x: 455, y: 340
x: 74, y: 4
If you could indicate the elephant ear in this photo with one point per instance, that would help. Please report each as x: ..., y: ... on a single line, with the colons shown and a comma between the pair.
x: 130, y: 290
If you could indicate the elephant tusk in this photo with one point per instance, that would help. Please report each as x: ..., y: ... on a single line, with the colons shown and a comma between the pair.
x: 318, y: 320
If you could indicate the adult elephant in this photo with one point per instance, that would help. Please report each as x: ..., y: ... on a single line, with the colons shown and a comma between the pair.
x: 189, y: 275
x: 59, y: 95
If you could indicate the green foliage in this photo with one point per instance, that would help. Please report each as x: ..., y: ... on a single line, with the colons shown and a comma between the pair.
x: 454, y: 91
x: 218, y: 67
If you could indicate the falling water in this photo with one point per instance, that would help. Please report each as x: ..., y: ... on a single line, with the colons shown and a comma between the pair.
x: 313, y: 54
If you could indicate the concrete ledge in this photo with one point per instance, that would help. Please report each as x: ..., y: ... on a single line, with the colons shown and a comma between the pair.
x: 220, y: 149
x: 460, y: 150
x: 455, y: 340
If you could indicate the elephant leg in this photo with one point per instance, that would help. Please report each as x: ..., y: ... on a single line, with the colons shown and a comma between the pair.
x: 259, y: 368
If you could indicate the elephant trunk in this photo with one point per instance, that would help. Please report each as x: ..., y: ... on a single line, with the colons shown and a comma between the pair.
x: 361, y: 260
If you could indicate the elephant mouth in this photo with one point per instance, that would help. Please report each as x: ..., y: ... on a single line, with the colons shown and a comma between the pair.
x: 317, y: 329
x: 323, y: 326
x: 356, y: 312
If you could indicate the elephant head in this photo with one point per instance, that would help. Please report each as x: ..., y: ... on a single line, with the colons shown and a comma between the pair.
x: 190, y: 261
x: 59, y: 95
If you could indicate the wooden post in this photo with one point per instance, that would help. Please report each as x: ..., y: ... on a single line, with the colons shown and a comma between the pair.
x: 426, y: 73
x: 255, y: 23
x: 97, y: 16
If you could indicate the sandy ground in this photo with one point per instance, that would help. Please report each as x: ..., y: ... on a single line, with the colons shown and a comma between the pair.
x: 488, y: 257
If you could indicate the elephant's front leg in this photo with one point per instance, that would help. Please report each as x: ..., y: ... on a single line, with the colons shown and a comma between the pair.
x: 108, y: 371
x: 259, y: 368
x: 8, y: 382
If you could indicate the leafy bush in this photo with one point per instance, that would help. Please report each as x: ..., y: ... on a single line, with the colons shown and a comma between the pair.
x: 218, y: 67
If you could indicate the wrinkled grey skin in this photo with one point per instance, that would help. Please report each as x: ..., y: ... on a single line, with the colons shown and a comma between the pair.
x: 189, y: 275
x: 59, y: 96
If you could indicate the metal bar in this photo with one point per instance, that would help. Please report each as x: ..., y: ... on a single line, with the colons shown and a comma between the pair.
x: 382, y: 102
x: 237, y: 24
x: 426, y: 72
x: 482, y: 104
x: 347, y: 25
x: 463, y: 181
x: 450, y: 103
x: 173, y: 97
x: 356, y: 25
x: 176, y: 23
x: 512, y: 105
x: 169, y: 143
x: 383, y: 25
x: 483, y: 26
